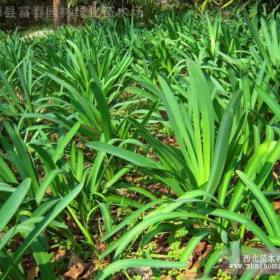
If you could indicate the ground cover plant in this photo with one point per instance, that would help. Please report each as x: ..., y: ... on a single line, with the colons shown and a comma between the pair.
x: 137, y: 148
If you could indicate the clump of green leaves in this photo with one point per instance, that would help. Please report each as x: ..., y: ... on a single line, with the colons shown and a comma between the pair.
x: 133, y: 134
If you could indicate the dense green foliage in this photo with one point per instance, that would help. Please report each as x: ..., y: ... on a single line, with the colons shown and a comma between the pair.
x: 131, y: 133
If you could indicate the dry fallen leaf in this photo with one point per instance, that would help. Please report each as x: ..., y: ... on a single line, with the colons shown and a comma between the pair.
x: 76, y: 267
x: 275, y: 176
x: 189, y: 275
x: 74, y: 259
x: 276, y: 207
x: 60, y: 254
x: 32, y: 273
x: 164, y: 277
x: 90, y: 271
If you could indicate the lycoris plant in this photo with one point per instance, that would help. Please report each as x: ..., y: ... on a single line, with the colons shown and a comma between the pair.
x: 117, y: 139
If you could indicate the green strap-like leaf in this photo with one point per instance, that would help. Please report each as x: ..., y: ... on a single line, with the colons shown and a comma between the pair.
x: 125, y: 264
x: 12, y: 204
